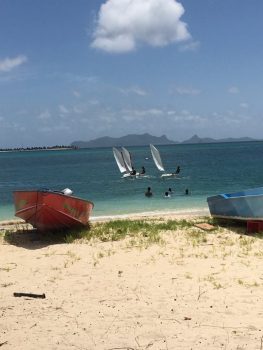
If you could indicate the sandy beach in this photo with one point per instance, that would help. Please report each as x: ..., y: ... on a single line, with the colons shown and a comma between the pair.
x: 194, y: 289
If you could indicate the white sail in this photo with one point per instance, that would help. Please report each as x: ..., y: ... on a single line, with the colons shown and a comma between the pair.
x: 127, y: 158
x: 157, y: 158
x: 119, y: 160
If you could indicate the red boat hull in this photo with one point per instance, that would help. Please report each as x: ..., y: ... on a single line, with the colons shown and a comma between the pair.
x: 47, y: 210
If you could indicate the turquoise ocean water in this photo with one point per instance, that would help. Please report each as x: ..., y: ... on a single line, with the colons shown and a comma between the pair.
x: 206, y: 169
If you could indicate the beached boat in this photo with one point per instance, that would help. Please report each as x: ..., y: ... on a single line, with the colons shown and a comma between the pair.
x: 158, y: 162
x: 243, y: 205
x: 52, y: 210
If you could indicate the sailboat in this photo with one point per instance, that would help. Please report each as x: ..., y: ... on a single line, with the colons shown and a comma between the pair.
x: 121, y: 162
x: 158, y: 161
x: 128, y: 161
x: 124, y: 162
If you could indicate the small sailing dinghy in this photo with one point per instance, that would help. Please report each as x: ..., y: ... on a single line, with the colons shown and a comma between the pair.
x: 52, y: 210
x: 158, y: 162
x: 124, y: 162
x: 123, y: 167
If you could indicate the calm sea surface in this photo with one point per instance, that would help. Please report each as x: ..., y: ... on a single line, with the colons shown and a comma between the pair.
x: 92, y: 174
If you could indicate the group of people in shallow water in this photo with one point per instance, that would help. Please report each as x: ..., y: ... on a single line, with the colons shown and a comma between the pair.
x: 167, y: 194
x: 143, y: 171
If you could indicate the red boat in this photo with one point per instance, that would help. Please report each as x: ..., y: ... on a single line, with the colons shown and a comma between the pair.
x: 51, y: 210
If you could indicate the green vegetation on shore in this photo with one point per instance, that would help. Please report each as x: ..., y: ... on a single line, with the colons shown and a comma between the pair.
x: 149, y: 230
x: 142, y: 231
x: 119, y: 229
x: 43, y: 148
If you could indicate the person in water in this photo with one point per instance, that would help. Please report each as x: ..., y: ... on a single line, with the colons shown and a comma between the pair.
x: 170, y: 190
x: 178, y: 170
x: 148, y: 193
x: 133, y: 172
x: 186, y: 192
x: 143, y: 171
x: 167, y: 195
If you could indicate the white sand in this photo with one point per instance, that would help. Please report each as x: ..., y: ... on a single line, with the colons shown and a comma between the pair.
x: 183, y: 294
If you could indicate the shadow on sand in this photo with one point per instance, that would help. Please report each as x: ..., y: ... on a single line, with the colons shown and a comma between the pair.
x: 238, y: 227
x: 30, y: 238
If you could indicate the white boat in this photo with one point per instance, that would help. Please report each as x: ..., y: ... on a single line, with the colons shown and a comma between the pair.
x: 124, y: 162
x: 120, y: 162
x: 158, y: 161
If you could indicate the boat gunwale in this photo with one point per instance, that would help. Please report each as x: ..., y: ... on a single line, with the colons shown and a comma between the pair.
x: 223, y: 196
x: 57, y: 193
x: 238, y: 218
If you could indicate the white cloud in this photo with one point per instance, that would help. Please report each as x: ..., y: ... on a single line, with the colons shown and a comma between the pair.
x: 93, y: 102
x: 134, y: 90
x: 44, y: 115
x: 186, y: 116
x: 244, y: 105
x: 123, y: 25
x: 187, y: 91
x: 63, y: 109
x: 130, y: 115
x: 76, y: 93
x: 7, y: 64
x: 233, y: 90
x: 55, y: 128
x: 108, y: 119
x: 78, y: 78
x: 77, y: 110
x: 191, y: 46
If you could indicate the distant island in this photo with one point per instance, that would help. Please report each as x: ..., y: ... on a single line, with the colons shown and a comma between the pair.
x: 44, y: 148
x: 197, y: 139
x: 128, y: 140
x: 146, y: 139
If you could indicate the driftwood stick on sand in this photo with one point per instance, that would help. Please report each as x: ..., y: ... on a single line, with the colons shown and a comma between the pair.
x: 30, y: 295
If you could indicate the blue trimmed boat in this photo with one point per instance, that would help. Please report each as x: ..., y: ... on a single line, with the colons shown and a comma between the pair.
x: 243, y: 205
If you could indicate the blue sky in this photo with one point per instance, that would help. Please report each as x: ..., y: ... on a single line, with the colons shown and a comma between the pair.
x: 81, y: 69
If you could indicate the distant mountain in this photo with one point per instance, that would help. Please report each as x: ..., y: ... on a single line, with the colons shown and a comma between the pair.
x: 128, y: 140
x: 197, y: 139
x: 146, y: 139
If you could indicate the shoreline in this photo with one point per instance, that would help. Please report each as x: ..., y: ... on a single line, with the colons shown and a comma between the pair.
x: 37, y: 149
x: 165, y: 213
x: 171, y: 214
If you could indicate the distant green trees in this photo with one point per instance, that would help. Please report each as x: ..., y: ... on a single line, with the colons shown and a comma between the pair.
x: 37, y: 148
